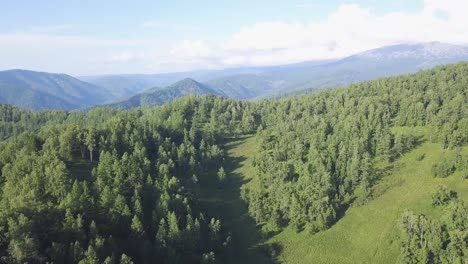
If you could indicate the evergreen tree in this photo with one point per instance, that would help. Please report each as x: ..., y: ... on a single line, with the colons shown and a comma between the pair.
x: 222, y: 177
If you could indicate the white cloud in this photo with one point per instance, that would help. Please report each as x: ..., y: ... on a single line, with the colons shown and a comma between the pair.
x: 349, y: 29
x: 74, y: 54
x: 126, y: 56
x: 192, y: 49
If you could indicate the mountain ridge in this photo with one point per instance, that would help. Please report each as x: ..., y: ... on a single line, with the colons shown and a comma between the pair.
x: 62, y: 91
x: 291, y: 79
x: 159, y: 96
x: 25, y: 88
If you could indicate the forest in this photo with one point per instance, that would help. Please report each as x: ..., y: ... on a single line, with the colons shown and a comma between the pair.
x: 123, y: 186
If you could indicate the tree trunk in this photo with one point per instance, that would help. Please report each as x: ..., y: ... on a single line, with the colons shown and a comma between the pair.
x: 82, y: 152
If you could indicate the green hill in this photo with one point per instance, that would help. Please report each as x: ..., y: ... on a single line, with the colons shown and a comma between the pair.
x: 30, y: 99
x: 40, y: 90
x: 244, y: 86
x: 369, y: 233
x: 334, y: 172
x: 159, y: 96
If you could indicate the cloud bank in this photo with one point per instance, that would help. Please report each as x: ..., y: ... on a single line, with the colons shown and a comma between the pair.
x: 349, y: 29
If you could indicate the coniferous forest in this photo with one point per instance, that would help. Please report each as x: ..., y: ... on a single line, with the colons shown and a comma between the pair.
x: 125, y: 186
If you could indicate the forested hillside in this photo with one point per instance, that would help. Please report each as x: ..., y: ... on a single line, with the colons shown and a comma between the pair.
x: 14, y: 121
x: 123, y: 186
x: 159, y: 96
x: 320, y: 154
x: 41, y: 90
x: 318, y: 150
x: 114, y: 185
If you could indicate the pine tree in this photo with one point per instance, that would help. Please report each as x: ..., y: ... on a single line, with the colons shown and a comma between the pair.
x: 222, y: 175
x: 90, y: 256
x: 124, y: 259
x: 162, y: 234
x: 91, y: 142
x: 174, y: 232
x: 137, y: 227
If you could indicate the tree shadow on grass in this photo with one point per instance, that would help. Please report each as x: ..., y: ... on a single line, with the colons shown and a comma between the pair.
x: 225, y: 202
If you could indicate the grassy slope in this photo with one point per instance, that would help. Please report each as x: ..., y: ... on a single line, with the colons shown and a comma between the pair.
x: 369, y: 233
x: 366, y: 234
x: 225, y: 203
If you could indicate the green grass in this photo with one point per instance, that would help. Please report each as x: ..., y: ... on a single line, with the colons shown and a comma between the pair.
x: 224, y: 202
x: 369, y: 233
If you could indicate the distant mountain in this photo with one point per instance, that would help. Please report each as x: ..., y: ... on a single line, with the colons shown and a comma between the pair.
x: 27, y: 98
x: 373, y: 64
x: 256, y: 82
x: 120, y: 86
x: 124, y: 85
x: 40, y: 90
x: 243, y: 86
x: 307, y: 76
x: 432, y: 51
x: 159, y: 96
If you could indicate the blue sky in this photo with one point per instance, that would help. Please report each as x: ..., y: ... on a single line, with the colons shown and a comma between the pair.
x: 212, y: 19
x: 101, y: 37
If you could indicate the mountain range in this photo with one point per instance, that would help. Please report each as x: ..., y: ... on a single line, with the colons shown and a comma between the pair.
x: 38, y: 90
x: 41, y: 90
x: 159, y: 96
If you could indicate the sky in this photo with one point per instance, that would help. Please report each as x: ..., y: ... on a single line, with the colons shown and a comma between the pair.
x: 88, y: 37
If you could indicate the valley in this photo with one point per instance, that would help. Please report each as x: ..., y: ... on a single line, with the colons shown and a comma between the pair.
x: 226, y: 203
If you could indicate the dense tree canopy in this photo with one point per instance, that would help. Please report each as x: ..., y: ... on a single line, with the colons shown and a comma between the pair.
x: 122, y: 186
x: 112, y: 186
x: 317, y: 151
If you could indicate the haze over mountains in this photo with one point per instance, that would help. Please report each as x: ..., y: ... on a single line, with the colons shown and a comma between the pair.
x: 41, y: 90
x: 37, y: 90
x: 159, y: 96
